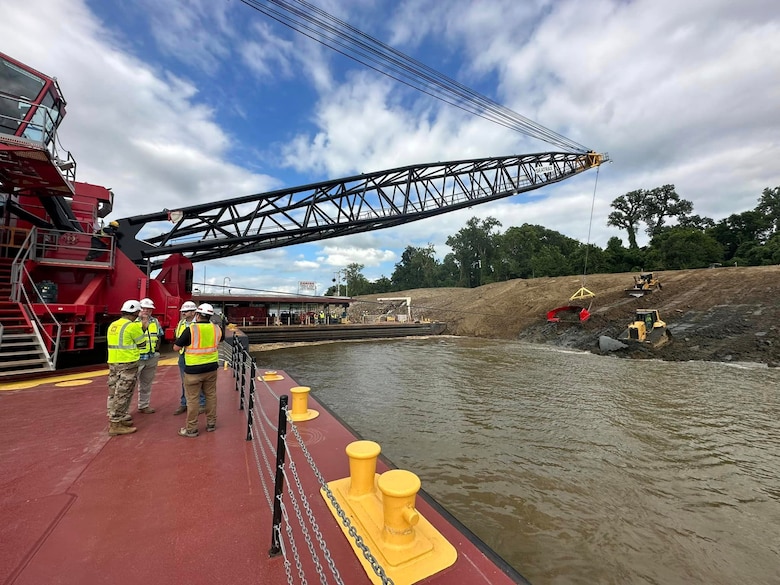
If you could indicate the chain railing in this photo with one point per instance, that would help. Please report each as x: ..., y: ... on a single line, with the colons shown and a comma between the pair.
x: 276, y: 465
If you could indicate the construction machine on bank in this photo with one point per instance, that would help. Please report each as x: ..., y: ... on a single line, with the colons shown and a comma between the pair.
x: 644, y: 284
x: 647, y: 328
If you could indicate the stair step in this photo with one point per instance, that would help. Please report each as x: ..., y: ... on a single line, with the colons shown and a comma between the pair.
x: 31, y: 345
x: 26, y: 370
x: 27, y: 362
x: 4, y: 354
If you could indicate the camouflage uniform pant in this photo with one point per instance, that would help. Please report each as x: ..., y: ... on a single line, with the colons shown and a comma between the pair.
x: 121, y: 383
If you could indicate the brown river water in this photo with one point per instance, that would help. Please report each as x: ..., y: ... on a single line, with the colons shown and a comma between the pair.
x: 575, y: 468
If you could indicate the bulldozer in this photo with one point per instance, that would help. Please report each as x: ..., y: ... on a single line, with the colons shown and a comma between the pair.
x: 644, y: 284
x: 646, y: 328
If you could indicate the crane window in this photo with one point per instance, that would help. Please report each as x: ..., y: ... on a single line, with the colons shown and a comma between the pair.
x: 19, y: 90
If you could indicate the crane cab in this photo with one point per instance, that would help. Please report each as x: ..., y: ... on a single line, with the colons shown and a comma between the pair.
x: 31, y: 110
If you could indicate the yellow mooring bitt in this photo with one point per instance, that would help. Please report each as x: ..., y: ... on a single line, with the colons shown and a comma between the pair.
x: 382, y: 510
x: 300, y: 404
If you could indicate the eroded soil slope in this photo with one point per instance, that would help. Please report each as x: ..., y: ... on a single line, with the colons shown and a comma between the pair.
x: 719, y: 314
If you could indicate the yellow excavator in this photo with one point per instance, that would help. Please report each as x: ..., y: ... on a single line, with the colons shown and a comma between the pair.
x: 643, y: 284
x: 647, y: 328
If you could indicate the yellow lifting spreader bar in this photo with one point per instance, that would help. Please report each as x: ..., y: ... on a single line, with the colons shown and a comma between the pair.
x: 583, y: 293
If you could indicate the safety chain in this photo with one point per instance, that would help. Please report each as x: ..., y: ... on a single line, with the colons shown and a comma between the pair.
x: 312, y: 521
x: 269, y: 469
x: 293, y: 547
x: 263, y: 429
x: 304, y: 529
x: 378, y: 570
x: 287, y: 564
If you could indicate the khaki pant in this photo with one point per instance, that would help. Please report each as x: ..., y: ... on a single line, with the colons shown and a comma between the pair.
x: 121, y: 383
x: 194, y: 384
x: 146, y: 372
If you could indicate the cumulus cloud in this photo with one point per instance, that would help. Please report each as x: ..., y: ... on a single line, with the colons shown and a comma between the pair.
x: 188, y: 102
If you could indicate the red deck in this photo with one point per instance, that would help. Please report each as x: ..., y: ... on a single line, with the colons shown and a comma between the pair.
x: 79, y: 507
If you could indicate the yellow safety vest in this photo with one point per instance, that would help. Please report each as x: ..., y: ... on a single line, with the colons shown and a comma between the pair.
x: 183, y: 324
x: 204, y: 344
x: 152, y: 335
x: 125, y: 337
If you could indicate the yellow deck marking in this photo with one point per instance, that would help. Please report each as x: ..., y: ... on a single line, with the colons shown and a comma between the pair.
x: 68, y: 379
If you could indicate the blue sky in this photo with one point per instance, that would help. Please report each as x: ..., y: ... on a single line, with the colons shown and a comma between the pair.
x: 173, y: 102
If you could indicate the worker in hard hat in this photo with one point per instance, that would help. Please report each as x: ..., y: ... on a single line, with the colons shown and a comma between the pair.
x: 126, y: 339
x: 149, y: 358
x: 200, y: 342
x: 101, y: 240
x: 187, y: 317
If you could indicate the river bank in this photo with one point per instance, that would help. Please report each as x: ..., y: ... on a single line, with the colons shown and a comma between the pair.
x: 720, y: 314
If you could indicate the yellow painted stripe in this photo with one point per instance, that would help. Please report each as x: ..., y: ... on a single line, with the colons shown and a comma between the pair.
x: 61, y: 379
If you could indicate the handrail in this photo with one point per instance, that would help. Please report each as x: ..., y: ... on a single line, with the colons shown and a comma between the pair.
x: 43, y: 123
x: 38, y: 324
x: 19, y: 275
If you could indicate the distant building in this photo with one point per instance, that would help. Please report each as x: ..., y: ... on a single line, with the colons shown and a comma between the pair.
x: 247, y: 310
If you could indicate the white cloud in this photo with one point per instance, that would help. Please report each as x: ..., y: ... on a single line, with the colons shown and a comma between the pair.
x: 676, y: 94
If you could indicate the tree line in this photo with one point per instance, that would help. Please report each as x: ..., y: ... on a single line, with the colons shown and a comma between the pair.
x: 678, y: 239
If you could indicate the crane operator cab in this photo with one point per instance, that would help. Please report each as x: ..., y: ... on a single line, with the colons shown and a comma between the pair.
x: 31, y: 109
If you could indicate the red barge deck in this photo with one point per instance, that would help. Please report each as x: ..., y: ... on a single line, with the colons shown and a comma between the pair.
x: 80, y: 507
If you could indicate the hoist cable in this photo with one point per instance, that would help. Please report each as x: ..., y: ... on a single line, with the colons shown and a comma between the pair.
x: 346, y: 40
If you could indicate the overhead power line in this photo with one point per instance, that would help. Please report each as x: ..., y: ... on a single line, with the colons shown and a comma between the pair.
x: 326, y: 29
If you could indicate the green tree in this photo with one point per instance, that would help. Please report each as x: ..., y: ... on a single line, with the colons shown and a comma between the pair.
x: 769, y: 205
x: 629, y: 210
x: 739, y: 229
x: 679, y: 248
x: 473, y: 247
x: 418, y: 268
x: 618, y: 258
x: 449, y: 271
x: 550, y: 261
x: 382, y: 285
x: 357, y: 284
x: 662, y: 203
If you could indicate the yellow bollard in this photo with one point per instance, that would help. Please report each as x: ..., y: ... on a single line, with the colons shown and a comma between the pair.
x: 300, y: 404
x: 362, y: 467
x: 399, y: 488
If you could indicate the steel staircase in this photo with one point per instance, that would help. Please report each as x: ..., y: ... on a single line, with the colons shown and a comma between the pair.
x: 21, y: 352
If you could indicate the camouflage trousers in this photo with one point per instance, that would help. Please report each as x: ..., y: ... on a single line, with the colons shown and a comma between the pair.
x: 121, y: 383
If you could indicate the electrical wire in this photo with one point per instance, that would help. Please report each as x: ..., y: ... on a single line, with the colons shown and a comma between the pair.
x: 326, y: 29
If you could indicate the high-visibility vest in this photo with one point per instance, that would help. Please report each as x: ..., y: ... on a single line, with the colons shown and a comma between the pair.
x: 124, y: 339
x: 152, y: 335
x: 183, y: 324
x: 204, y: 344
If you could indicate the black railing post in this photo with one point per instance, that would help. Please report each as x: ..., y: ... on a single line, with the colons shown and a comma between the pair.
x: 234, y: 355
x: 242, y: 386
x: 276, y: 548
x: 251, y: 400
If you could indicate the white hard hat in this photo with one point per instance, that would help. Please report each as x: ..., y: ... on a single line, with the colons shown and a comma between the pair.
x: 147, y: 303
x: 188, y: 306
x: 131, y: 307
x: 205, y: 309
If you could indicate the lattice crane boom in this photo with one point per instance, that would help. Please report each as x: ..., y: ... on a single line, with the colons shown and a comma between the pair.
x: 341, y: 207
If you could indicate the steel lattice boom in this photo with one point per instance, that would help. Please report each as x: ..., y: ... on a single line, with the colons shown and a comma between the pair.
x: 344, y: 206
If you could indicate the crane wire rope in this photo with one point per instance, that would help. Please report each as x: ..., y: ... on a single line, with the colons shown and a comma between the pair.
x: 347, y: 40
x: 590, y: 225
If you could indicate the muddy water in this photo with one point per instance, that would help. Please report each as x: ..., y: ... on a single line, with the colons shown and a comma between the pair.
x: 575, y: 468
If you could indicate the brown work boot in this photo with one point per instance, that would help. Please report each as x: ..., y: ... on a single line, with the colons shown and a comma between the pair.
x: 117, y: 428
x: 126, y: 423
x: 146, y: 410
x: 180, y: 410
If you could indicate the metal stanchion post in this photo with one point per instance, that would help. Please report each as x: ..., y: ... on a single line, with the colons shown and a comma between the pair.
x: 276, y: 548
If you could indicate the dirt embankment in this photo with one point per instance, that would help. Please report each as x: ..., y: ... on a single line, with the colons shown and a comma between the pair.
x: 720, y: 314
